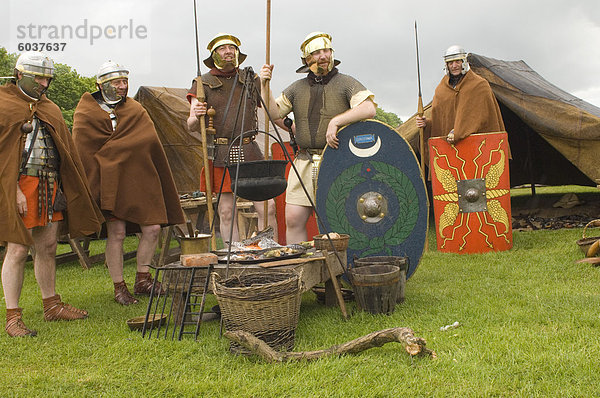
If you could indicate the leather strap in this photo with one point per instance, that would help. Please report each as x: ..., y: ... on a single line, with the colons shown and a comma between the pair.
x: 225, y: 141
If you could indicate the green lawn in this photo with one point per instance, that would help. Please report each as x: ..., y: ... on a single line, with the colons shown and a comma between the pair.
x: 529, y: 320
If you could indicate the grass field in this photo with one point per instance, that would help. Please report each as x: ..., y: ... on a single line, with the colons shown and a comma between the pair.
x: 529, y: 326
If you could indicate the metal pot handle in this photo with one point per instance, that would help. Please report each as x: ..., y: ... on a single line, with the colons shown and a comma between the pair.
x: 276, y: 138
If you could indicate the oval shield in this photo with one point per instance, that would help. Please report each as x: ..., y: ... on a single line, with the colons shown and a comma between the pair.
x: 372, y: 189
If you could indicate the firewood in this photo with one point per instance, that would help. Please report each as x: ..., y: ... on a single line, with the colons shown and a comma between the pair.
x: 413, y: 345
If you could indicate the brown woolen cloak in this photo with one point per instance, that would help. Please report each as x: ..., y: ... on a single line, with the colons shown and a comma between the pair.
x: 127, y: 169
x: 82, y: 216
x: 468, y: 108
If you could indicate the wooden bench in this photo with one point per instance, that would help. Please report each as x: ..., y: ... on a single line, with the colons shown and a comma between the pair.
x: 247, y: 219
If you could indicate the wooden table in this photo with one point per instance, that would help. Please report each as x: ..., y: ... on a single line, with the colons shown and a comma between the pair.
x: 195, y: 211
x: 194, y: 208
x: 185, y: 285
x: 312, y: 270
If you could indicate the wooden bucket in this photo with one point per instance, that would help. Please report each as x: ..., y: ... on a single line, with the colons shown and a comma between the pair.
x: 376, y: 287
x: 400, y: 262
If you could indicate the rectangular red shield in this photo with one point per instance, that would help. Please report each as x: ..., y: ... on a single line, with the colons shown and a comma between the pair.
x: 471, y: 193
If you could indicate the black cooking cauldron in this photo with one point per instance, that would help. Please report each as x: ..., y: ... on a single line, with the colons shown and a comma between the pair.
x: 259, y: 180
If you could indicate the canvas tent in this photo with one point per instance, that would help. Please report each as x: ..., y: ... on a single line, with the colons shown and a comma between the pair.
x: 554, y: 136
x: 169, y: 110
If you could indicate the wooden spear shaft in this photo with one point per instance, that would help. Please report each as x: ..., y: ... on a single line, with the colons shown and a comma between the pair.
x: 420, y: 108
x: 201, y: 97
x: 421, y: 135
x: 421, y: 129
x: 268, y: 62
x: 207, y: 174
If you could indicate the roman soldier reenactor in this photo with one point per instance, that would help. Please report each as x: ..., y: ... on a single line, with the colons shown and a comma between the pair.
x: 43, y: 183
x: 225, y: 84
x: 322, y: 102
x: 128, y: 173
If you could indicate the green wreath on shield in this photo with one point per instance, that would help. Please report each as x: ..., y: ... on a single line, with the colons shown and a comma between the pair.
x: 408, y: 212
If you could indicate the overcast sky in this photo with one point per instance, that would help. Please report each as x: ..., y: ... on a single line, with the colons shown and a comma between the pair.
x: 374, y: 39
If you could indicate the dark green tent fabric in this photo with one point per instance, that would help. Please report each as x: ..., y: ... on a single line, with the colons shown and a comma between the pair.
x: 554, y: 136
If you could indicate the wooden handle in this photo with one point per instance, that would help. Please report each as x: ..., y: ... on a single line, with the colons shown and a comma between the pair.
x: 592, y: 223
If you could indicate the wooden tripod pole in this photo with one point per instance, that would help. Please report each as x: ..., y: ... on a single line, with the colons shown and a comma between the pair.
x: 267, y: 149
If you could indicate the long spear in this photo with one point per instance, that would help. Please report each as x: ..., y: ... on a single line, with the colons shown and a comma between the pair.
x: 201, y: 97
x: 420, y: 107
x: 421, y: 130
x: 268, y: 62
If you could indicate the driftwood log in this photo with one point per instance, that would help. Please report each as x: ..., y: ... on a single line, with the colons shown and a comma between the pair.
x: 405, y: 336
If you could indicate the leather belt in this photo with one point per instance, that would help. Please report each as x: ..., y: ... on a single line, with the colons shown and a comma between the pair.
x: 225, y: 141
x: 311, y: 151
x: 32, y: 170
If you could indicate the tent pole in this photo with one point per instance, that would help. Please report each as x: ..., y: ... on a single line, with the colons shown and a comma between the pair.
x: 530, y: 159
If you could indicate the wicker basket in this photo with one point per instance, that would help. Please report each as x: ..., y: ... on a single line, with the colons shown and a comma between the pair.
x: 585, y: 242
x: 339, y: 244
x: 266, y: 304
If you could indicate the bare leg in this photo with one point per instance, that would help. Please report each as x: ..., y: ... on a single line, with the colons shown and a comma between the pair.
x: 260, y: 211
x: 114, y: 249
x: 44, y: 264
x: 295, y: 219
x: 147, y: 246
x: 13, y: 269
x: 227, y: 218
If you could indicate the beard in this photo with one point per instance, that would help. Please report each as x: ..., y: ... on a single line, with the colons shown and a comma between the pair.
x: 319, y: 69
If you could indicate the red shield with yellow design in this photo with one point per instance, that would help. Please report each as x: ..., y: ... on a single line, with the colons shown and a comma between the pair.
x: 471, y: 193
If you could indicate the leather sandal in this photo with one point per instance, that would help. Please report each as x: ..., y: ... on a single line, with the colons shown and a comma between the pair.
x: 143, y: 284
x: 122, y: 295
x: 56, y: 310
x: 14, y: 324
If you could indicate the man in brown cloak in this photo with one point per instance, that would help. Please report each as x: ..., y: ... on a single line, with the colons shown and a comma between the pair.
x: 38, y: 164
x: 128, y: 173
x: 463, y: 103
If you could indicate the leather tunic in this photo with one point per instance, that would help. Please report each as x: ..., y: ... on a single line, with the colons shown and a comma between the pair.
x: 217, y: 92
